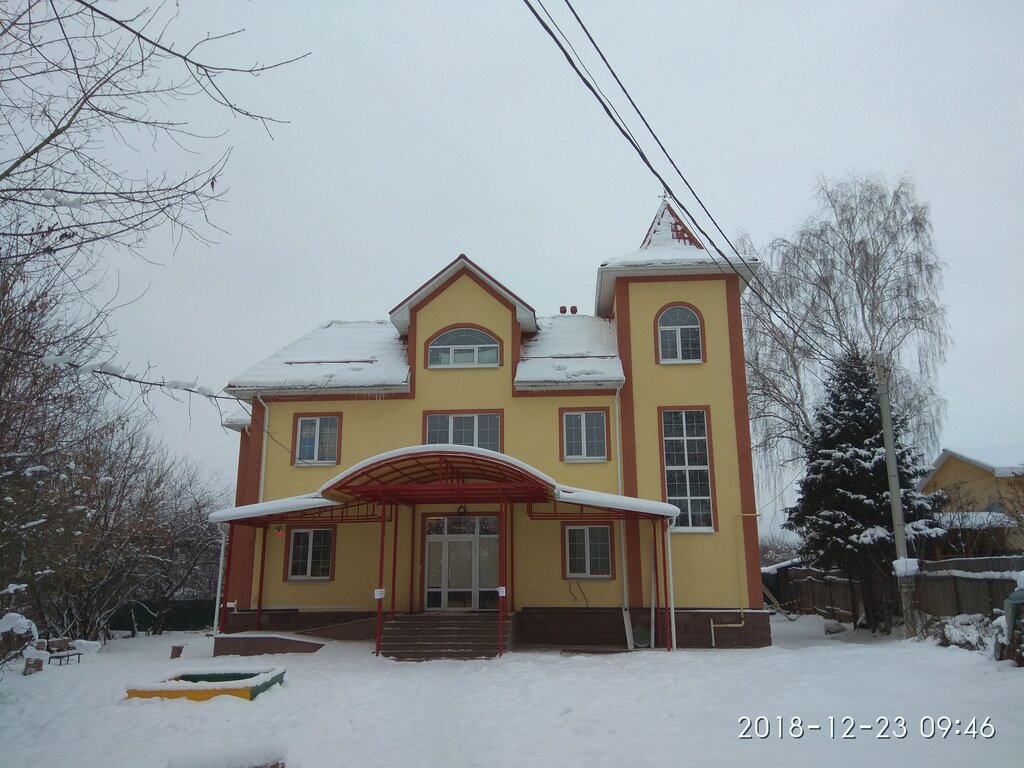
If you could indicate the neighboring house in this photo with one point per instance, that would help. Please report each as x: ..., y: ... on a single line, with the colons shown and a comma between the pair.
x: 985, y: 500
x: 586, y: 476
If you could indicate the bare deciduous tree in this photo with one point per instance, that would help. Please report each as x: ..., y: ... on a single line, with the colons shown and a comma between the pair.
x: 860, y: 274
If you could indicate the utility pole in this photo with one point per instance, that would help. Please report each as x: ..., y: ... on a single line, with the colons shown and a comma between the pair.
x: 906, y: 582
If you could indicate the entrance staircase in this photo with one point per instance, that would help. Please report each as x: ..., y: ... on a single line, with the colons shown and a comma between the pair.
x: 425, y: 636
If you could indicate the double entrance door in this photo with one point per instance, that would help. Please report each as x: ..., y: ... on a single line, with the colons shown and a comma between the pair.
x: 461, y: 563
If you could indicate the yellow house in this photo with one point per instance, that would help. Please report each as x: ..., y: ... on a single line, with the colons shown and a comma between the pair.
x: 466, y: 476
x: 985, y: 492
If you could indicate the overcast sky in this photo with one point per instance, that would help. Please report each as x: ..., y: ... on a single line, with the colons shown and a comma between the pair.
x: 418, y: 131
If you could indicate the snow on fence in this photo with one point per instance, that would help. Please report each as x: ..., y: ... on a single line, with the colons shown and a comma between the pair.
x: 941, y: 588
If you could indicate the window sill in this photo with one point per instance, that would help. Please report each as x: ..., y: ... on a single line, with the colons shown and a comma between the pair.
x: 575, y: 577
x: 689, y: 529
x: 463, y: 365
x: 308, y: 579
x: 584, y: 460
x: 681, y: 362
x: 315, y: 464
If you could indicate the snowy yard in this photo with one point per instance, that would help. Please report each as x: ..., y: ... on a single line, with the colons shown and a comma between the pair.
x: 342, y: 706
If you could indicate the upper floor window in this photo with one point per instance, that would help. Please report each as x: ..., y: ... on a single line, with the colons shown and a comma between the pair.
x: 463, y: 348
x: 584, y: 436
x: 482, y: 430
x: 679, y: 337
x: 687, y: 463
x: 317, y: 439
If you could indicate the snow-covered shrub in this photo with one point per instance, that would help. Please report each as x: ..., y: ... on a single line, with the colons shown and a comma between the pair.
x: 973, y: 632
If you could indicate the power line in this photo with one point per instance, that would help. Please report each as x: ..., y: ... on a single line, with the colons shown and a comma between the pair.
x: 609, y: 110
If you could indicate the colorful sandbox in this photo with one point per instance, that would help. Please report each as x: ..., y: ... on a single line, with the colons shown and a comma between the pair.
x: 202, y: 685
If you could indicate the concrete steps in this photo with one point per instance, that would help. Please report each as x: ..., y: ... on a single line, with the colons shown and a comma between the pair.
x: 425, y: 636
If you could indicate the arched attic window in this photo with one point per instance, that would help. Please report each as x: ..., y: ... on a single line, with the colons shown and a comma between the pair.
x: 463, y: 348
x: 679, y: 336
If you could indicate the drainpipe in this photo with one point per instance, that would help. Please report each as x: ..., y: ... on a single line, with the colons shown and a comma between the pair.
x: 220, y: 576
x: 627, y: 618
x: 263, y: 451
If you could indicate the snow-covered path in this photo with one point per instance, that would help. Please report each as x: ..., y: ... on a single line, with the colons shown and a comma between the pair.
x: 344, y: 707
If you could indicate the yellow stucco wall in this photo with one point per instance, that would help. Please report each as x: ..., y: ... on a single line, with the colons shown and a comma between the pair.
x: 709, y: 568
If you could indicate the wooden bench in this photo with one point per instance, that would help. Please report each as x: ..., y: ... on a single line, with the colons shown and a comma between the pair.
x: 63, y: 650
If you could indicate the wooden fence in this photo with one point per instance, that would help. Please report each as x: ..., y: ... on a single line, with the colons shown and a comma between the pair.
x: 942, y: 588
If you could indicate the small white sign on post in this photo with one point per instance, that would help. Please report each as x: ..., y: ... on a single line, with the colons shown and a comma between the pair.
x: 378, y: 594
x: 501, y: 591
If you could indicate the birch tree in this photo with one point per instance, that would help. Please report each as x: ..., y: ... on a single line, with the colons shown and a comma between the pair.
x: 860, y: 276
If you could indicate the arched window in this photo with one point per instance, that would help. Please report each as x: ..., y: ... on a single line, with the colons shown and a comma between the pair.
x: 463, y: 348
x: 679, y: 336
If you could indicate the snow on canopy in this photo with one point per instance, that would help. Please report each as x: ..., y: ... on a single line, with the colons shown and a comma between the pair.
x: 339, y: 355
x: 237, y: 419
x: 575, y: 351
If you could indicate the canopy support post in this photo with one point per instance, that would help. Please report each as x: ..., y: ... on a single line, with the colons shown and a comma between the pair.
x: 664, y: 577
x: 379, y: 592
x: 263, y: 559
x: 394, y: 554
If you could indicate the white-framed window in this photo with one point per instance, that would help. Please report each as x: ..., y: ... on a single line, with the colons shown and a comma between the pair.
x: 316, y: 440
x: 584, y: 436
x: 679, y: 336
x: 463, y: 348
x: 482, y: 430
x: 309, y: 553
x: 588, y: 551
x: 687, y: 467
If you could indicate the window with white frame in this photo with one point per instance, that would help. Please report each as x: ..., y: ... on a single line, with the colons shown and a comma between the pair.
x: 584, y: 436
x: 316, y: 440
x: 588, y: 551
x: 463, y: 348
x: 687, y: 466
x: 310, y: 553
x: 482, y: 430
x: 679, y: 336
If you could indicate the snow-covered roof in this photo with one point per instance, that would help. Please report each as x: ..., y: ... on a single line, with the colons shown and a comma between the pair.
x: 1001, y: 462
x: 668, y: 249
x: 400, y: 315
x: 236, y: 419
x: 570, y: 351
x: 565, y: 494
x: 350, y: 356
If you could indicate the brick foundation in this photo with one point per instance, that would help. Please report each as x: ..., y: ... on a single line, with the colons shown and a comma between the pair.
x: 603, y: 627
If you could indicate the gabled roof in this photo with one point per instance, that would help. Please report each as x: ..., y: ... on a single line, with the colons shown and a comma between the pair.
x: 570, y: 352
x: 668, y: 249
x: 400, y: 314
x: 1001, y: 462
x: 357, y: 356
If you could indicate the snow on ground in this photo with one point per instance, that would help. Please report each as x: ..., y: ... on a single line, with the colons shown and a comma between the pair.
x: 344, y: 707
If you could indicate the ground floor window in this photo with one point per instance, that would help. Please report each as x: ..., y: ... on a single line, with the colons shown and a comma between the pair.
x: 687, y: 463
x: 588, y: 551
x: 310, y: 552
x: 482, y: 430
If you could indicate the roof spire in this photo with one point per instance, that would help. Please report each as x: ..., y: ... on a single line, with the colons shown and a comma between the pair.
x: 668, y: 229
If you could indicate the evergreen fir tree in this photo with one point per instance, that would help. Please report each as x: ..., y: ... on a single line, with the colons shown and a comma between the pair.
x: 843, y: 514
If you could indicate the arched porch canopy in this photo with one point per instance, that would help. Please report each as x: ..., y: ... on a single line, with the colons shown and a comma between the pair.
x: 439, y: 474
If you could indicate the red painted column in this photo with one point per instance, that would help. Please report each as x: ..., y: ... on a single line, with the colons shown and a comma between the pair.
x: 394, y: 554
x: 380, y: 578
x: 501, y: 575
x: 263, y: 562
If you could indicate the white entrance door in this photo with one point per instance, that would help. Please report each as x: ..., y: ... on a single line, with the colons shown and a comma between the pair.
x: 462, y: 563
